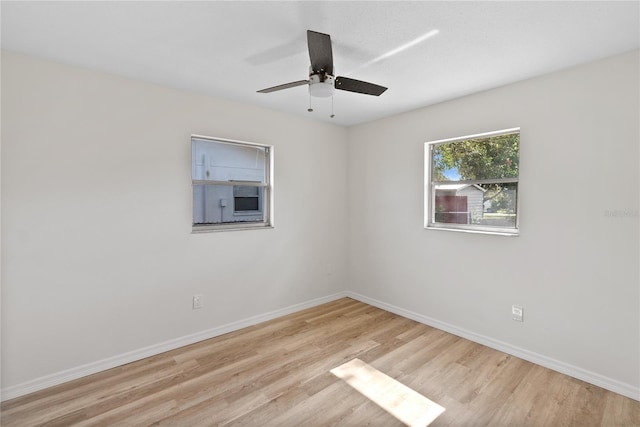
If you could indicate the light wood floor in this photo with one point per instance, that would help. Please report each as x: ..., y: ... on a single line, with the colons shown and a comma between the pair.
x: 277, y: 374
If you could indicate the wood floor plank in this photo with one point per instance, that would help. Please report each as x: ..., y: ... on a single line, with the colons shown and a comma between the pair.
x: 620, y: 411
x: 277, y: 374
x: 401, y: 401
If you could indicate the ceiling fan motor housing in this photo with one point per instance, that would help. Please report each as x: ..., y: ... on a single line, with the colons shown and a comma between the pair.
x: 321, y: 86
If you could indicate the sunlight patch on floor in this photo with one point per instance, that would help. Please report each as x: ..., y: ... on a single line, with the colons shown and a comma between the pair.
x: 405, y: 404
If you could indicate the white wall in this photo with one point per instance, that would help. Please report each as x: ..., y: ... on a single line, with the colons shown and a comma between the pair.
x: 98, y: 258
x: 573, y: 268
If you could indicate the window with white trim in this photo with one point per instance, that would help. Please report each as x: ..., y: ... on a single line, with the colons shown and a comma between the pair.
x: 471, y: 183
x: 232, y: 184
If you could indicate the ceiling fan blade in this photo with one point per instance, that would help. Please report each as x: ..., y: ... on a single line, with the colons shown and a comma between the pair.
x: 320, y: 52
x: 358, y: 86
x: 284, y: 86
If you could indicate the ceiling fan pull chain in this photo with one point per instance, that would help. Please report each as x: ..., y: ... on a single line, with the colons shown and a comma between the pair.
x: 332, y: 115
x: 310, y: 109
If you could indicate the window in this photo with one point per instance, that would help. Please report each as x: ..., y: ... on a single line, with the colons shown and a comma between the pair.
x: 472, y: 183
x: 232, y: 184
x: 246, y: 199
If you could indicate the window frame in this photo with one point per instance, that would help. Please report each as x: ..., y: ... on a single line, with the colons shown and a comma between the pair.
x: 429, y: 193
x: 265, y: 205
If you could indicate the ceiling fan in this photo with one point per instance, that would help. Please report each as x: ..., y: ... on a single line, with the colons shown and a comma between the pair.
x: 322, y: 81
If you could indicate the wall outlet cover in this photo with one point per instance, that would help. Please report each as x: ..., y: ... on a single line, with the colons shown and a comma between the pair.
x: 197, y: 301
x: 517, y: 313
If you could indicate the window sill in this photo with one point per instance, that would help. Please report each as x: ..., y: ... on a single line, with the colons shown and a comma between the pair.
x: 494, y: 232
x: 247, y: 213
x: 228, y: 227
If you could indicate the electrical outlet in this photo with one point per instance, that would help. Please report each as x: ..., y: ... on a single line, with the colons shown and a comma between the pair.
x: 517, y: 312
x: 197, y: 301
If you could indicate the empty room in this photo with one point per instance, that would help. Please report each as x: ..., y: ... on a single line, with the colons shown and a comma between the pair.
x: 243, y: 213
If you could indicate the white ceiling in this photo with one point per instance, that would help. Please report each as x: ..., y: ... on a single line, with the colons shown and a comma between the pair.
x: 232, y: 49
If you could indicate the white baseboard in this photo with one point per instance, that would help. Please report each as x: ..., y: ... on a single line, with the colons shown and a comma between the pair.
x: 122, y: 359
x: 615, y: 386
x: 112, y: 362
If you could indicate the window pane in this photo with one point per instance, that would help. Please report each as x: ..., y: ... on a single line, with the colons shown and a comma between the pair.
x: 489, y: 205
x: 493, y: 157
x: 245, y: 191
x: 220, y: 161
x: 500, y: 205
x: 243, y: 204
x: 214, y: 204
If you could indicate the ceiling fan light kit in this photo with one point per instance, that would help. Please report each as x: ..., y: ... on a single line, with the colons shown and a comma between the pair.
x: 322, y: 82
x: 321, y: 88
